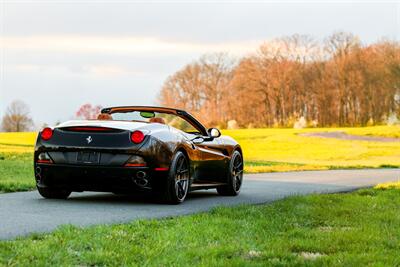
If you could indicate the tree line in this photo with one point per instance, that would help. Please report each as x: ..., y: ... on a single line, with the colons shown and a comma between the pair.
x: 336, y: 82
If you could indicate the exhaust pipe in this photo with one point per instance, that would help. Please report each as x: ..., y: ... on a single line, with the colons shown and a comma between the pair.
x: 38, y: 174
x: 140, y: 179
x: 141, y: 174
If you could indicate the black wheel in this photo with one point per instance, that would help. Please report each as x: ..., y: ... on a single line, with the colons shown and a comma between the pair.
x: 177, y: 185
x: 235, y: 176
x: 55, y: 193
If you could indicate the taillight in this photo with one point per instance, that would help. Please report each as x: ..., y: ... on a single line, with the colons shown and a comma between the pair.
x: 137, y: 137
x: 47, y: 133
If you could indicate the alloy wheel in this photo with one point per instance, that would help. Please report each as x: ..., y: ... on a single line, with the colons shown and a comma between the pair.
x: 181, y: 178
x: 237, y: 172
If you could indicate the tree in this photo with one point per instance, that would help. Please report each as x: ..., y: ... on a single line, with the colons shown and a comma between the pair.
x: 88, y: 112
x: 17, y: 118
x: 200, y: 87
x: 337, y: 82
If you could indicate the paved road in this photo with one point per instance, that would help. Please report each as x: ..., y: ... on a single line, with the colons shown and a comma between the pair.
x: 26, y: 212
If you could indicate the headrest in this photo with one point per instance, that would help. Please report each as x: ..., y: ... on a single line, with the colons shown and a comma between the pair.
x: 157, y: 120
x: 104, y: 117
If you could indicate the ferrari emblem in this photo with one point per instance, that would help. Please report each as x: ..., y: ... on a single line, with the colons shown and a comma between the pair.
x: 89, y: 139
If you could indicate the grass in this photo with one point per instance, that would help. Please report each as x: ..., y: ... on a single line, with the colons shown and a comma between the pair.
x: 16, y: 161
x: 354, y: 229
x: 265, y: 150
x: 16, y: 172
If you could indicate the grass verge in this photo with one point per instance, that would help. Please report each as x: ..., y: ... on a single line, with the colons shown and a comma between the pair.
x: 16, y: 172
x: 354, y: 229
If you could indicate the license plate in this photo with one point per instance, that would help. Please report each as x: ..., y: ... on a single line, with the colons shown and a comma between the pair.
x: 88, y: 157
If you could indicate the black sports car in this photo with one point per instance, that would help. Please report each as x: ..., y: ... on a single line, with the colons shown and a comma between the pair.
x: 163, y: 150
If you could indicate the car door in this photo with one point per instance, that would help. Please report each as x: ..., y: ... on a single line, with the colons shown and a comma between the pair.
x: 214, y: 160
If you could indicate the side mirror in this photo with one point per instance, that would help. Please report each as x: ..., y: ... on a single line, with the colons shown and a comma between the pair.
x: 214, y: 132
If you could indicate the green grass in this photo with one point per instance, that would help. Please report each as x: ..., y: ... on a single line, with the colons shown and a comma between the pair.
x: 356, y: 229
x: 16, y: 172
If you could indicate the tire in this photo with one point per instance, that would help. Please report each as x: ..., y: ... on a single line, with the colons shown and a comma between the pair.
x: 235, y: 176
x: 53, y: 193
x: 177, y: 184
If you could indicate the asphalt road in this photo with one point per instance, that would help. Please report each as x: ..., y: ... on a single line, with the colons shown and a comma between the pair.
x: 26, y: 212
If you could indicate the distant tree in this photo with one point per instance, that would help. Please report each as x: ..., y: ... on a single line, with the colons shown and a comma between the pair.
x: 335, y: 82
x: 201, y: 87
x: 17, y: 118
x: 88, y: 112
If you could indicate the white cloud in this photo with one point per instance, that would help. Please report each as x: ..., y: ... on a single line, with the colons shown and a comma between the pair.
x: 91, y: 69
x: 121, y: 45
x: 110, y: 70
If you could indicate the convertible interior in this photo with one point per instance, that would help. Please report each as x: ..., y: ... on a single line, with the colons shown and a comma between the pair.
x: 108, y: 117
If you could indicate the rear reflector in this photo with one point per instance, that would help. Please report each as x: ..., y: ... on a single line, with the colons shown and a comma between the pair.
x: 161, y: 169
x: 135, y: 165
x: 48, y: 161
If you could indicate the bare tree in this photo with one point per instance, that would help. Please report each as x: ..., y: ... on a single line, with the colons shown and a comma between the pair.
x: 200, y: 87
x: 88, y: 112
x: 17, y: 118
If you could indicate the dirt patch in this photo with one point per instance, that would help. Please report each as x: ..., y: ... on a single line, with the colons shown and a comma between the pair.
x: 310, y: 255
x: 345, y: 136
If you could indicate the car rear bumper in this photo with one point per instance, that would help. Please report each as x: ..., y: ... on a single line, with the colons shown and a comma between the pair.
x: 96, y: 178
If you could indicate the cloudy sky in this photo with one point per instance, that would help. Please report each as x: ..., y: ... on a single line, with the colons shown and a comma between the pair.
x: 57, y: 55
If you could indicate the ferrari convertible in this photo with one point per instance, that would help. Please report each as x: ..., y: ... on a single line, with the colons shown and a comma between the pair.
x: 127, y: 149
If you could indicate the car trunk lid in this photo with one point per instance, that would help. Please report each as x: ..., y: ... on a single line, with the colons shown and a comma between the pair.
x: 95, y: 135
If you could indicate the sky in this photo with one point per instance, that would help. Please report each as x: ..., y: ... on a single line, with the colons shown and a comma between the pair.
x: 57, y: 55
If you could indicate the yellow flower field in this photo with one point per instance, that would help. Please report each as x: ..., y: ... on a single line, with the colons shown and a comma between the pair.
x: 385, y: 131
x: 286, y: 150
x: 17, y: 142
x: 267, y: 150
x: 388, y: 185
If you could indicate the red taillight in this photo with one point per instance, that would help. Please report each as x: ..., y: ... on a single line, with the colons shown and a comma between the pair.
x: 137, y: 137
x: 47, y: 133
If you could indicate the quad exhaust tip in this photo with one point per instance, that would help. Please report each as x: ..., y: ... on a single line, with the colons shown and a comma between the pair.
x: 141, y: 174
x: 140, y: 179
x: 38, y: 174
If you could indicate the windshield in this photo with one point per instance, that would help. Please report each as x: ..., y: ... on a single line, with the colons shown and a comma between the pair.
x: 155, y: 117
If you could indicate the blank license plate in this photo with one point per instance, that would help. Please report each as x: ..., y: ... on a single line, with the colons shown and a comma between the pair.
x: 88, y: 157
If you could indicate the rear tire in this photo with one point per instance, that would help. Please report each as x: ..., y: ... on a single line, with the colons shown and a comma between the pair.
x: 54, y: 193
x: 177, y: 184
x: 235, y: 176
